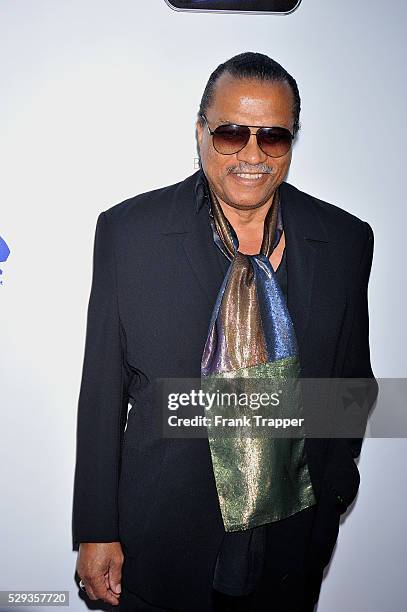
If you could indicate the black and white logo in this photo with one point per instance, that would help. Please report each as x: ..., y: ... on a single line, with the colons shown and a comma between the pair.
x: 254, y: 6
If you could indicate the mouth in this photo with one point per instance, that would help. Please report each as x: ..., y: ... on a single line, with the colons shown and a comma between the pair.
x: 249, y: 177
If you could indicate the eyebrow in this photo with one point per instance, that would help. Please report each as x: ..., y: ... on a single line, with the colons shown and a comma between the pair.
x: 223, y: 121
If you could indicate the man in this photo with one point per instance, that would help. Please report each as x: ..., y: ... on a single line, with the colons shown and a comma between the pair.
x: 155, y: 530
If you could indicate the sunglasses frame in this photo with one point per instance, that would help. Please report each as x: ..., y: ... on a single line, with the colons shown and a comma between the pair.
x: 260, y: 127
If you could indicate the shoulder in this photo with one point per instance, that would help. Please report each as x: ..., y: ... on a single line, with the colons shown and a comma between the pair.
x: 340, y: 224
x: 141, y: 207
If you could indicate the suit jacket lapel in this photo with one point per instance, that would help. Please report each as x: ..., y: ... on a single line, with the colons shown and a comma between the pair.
x: 200, y: 251
x: 199, y: 247
x: 304, y: 233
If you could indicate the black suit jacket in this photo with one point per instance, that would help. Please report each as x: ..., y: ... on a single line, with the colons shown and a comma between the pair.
x: 156, y: 275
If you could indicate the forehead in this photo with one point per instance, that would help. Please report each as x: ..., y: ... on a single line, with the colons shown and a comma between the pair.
x: 251, y: 102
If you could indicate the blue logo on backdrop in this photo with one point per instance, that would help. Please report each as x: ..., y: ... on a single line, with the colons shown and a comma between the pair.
x: 4, y: 253
x: 255, y: 6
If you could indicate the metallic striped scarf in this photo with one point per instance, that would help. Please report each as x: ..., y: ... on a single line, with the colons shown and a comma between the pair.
x: 259, y: 478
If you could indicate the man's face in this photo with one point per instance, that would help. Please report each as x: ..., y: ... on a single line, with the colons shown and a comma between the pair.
x: 246, y: 102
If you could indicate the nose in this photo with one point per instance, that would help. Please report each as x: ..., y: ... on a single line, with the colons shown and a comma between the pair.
x: 252, y: 153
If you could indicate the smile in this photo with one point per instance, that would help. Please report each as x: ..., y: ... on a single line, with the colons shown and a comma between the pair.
x: 249, y: 176
x: 246, y: 178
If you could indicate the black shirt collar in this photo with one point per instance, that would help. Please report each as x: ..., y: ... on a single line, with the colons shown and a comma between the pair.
x: 201, y: 191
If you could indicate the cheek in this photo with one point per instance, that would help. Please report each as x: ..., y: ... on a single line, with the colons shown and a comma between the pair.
x: 215, y: 163
x: 206, y: 151
x: 281, y: 166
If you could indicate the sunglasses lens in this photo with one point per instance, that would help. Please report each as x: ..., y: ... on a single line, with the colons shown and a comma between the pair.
x: 274, y: 141
x: 229, y: 139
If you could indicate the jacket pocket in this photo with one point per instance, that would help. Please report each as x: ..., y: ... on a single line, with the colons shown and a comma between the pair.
x: 341, y: 477
x: 325, y: 528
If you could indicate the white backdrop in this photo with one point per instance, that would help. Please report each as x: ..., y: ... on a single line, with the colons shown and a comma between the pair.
x: 83, y: 84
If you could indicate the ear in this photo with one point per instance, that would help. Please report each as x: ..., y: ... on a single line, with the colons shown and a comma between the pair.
x: 199, y: 131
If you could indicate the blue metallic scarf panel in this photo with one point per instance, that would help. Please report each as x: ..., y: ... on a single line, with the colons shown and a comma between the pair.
x: 259, y: 478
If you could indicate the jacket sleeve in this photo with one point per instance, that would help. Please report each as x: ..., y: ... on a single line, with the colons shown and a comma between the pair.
x: 357, y: 357
x: 101, y: 402
x: 341, y: 471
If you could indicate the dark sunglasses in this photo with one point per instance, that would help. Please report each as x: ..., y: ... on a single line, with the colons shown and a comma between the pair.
x: 232, y: 138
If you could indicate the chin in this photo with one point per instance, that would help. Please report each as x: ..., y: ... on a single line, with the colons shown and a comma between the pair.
x: 246, y: 198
